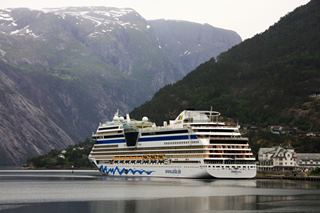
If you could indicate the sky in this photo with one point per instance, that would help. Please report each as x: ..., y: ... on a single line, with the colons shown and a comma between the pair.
x: 246, y: 17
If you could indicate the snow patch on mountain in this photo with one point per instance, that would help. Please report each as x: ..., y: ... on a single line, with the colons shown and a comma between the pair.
x: 99, y: 16
x: 4, y: 16
x: 24, y: 31
x: 187, y: 52
x: 2, y: 52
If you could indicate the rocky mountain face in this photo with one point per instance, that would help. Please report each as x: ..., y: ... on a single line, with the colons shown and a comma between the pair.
x: 25, y: 127
x: 64, y: 70
x: 270, y: 79
x: 189, y: 44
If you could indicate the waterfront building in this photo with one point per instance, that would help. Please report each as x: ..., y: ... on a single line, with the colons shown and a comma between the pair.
x: 277, y: 158
x: 308, y: 160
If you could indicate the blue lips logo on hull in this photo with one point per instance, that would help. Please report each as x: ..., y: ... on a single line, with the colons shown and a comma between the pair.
x: 107, y: 171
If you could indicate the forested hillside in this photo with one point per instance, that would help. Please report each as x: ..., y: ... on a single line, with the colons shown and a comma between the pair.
x: 270, y: 79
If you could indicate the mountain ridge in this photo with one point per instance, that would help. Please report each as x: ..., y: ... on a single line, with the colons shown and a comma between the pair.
x: 76, y: 67
x: 270, y: 79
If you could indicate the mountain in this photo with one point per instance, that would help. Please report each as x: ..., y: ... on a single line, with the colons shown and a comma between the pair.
x: 189, y: 44
x: 24, y: 127
x: 63, y: 70
x: 270, y: 79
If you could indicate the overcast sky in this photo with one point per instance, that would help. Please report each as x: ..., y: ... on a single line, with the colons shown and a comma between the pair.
x: 247, y: 17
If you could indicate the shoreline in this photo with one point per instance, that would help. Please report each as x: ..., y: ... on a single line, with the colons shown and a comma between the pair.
x: 95, y: 172
x: 279, y: 177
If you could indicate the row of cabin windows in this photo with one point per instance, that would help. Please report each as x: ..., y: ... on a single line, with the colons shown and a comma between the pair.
x: 181, y: 142
x: 229, y: 151
x: 233, y: 167
x: 228, y: 156
x: 187, y: 156
x: 151, y: 148
x: 206, y: 125
x: 134, y: 161
x: 228, y: 142
x: 152, y: 133
x: 149, y: 161
x: 165, y: 132
x: 108, y: 136
x: 107, y: 128
x: 215, y: 130
x: 229, y: 162
x: 143, y: 134
x: 100, y: 135
x: 187, y: 161
x: 167, y: 156
x: 148, y: 152
x: 107, y: 146
x: 140, y: 161
x: 229, y: 147
x: 98, y: 152
x: 110, y: 148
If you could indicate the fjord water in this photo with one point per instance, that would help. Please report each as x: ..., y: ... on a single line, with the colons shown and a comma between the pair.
x: 87, y: 191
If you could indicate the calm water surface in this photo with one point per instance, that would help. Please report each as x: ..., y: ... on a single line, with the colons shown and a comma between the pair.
x: 85, y: 191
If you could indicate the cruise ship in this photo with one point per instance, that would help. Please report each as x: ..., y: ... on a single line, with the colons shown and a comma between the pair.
x: 194, y: 145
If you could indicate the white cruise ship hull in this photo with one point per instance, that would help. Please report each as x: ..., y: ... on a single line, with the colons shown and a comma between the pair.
x: 194, y: 145
x: 177, y: 171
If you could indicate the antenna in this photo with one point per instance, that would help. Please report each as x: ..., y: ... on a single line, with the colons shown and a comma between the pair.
x: 211, y: 114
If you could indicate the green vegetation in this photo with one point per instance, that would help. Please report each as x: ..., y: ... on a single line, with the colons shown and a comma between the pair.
x: 266, y: 80
x: 75, y: 156
x: 315, y: 172
x: 270, y: 79
x: 264, y: 138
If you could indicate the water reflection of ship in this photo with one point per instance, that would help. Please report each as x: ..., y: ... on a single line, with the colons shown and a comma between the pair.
x: 147, y: 180
x: 182, y: 204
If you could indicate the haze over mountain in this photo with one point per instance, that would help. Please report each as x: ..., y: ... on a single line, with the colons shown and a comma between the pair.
x: 270, y: 79
x: 64, y: 70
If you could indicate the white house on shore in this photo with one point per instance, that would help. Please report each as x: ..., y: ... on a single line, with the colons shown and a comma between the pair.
x: 279, y: 159
x: 276, y: 158
x: 308, y: 160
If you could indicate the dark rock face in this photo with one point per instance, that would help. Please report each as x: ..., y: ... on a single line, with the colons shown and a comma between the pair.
x: 25, y: 128
x: 64, y: 70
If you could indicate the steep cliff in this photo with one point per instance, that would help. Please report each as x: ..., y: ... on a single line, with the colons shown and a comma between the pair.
x: 64, y: 70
